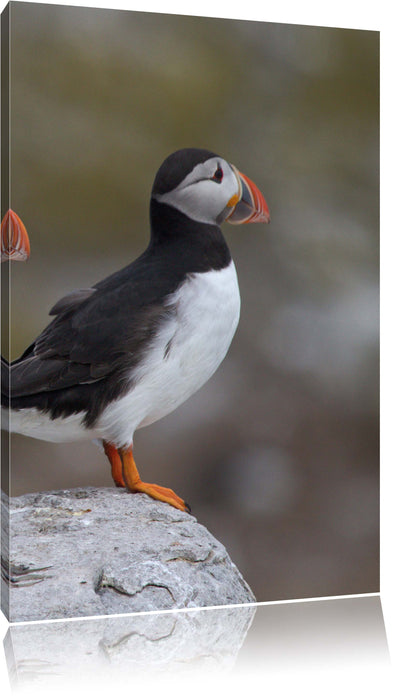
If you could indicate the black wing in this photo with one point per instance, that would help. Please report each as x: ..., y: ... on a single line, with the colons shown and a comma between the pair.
x: 71, y: 300
x: 97, y: 332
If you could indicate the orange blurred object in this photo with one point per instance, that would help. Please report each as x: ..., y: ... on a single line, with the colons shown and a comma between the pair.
x: 15, y: 244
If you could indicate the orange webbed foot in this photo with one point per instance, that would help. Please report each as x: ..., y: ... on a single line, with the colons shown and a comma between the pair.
x: 125, y: 474
x: 134, y: 484
x: 161, y: 493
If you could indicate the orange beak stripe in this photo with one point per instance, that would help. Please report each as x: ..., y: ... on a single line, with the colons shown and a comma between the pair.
x: 15, y: 244
x: 248, y: 205
x: 260, y: 212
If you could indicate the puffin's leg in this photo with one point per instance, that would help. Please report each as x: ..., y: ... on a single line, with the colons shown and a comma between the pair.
x: 115, y: 462
x: 133, y: 482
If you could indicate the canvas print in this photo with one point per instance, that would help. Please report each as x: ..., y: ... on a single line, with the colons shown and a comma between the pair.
x: 190, y: 287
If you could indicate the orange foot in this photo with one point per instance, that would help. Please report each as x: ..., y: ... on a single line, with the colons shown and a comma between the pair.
x: 125, y: 473
x: 160, y: 493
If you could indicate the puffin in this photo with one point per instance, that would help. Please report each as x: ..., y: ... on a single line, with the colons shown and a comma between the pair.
x: 128, y: 350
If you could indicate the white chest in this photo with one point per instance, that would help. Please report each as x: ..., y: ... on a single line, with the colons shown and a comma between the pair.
x: 184, y: 354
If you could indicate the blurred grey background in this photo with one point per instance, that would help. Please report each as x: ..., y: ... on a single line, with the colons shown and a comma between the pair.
x: 279, y: 453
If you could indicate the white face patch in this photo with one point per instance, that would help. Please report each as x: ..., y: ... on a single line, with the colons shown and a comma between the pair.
x: 201, y: 197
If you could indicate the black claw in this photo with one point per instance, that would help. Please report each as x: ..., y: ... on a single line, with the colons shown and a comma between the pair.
x: 188, y: 508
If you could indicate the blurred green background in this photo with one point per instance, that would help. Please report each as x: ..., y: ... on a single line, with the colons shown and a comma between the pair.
x: 279, y: 453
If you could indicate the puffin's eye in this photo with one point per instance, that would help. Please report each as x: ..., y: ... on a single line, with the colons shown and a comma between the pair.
x: 218, y: 175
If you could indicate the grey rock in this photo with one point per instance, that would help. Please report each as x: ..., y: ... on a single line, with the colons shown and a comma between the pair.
x: 98, y: 551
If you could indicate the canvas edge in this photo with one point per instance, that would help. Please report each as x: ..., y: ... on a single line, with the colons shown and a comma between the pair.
x: 5, y: 297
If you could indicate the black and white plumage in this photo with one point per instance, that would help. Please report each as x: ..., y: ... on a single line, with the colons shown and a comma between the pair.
x: 128, y: 350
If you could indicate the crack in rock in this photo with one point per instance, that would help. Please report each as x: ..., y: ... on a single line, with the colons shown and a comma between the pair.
x: 18, y: 575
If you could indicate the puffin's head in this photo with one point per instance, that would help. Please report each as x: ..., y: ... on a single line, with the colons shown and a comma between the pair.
x: 207, y: 188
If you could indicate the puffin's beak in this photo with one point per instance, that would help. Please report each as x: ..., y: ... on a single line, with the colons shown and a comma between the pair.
x: 249, y: 205
x: 15, y: 244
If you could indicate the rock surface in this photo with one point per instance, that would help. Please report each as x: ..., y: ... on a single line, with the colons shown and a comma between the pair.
x: 98, y: 551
